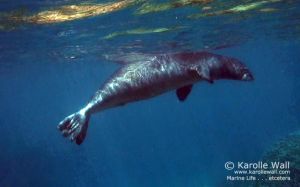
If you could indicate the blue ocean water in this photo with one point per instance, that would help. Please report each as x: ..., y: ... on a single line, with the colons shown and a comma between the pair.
x: 48, y: 71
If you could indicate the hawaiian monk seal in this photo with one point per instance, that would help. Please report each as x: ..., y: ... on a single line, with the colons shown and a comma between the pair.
x: 153, y: 76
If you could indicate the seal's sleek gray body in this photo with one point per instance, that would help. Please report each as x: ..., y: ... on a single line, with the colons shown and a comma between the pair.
x: 152, y: 75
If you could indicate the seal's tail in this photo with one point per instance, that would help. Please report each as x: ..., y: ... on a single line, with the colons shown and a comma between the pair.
x: 75, y: 126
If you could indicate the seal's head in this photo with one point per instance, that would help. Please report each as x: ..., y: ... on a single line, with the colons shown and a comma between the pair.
x: 239, y: 71
x: 231, y: 68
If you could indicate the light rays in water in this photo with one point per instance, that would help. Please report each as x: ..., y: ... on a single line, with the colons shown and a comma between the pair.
x: 149, y: 7
x: 62, y: 13
x: 210, y: 35
x: 238, y: 9
x: 74, y: 12
x: 140, y: 31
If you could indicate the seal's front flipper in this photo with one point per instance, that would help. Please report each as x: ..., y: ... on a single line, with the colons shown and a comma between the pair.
x: 183, y: 92
x: 75, y: 126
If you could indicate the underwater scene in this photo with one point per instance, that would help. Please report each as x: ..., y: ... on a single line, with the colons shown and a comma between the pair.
x: 150, y: 93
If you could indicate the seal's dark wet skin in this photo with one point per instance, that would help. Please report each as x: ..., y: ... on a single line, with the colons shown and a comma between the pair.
x: 156, y: 74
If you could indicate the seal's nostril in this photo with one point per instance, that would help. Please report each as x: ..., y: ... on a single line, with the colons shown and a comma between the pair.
x: 247, y: 77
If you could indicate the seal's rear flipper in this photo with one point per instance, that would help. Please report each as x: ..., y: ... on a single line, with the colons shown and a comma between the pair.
x: 75, y: 126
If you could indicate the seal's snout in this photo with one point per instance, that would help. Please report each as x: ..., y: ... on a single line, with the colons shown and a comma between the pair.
x: 247, y: 75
